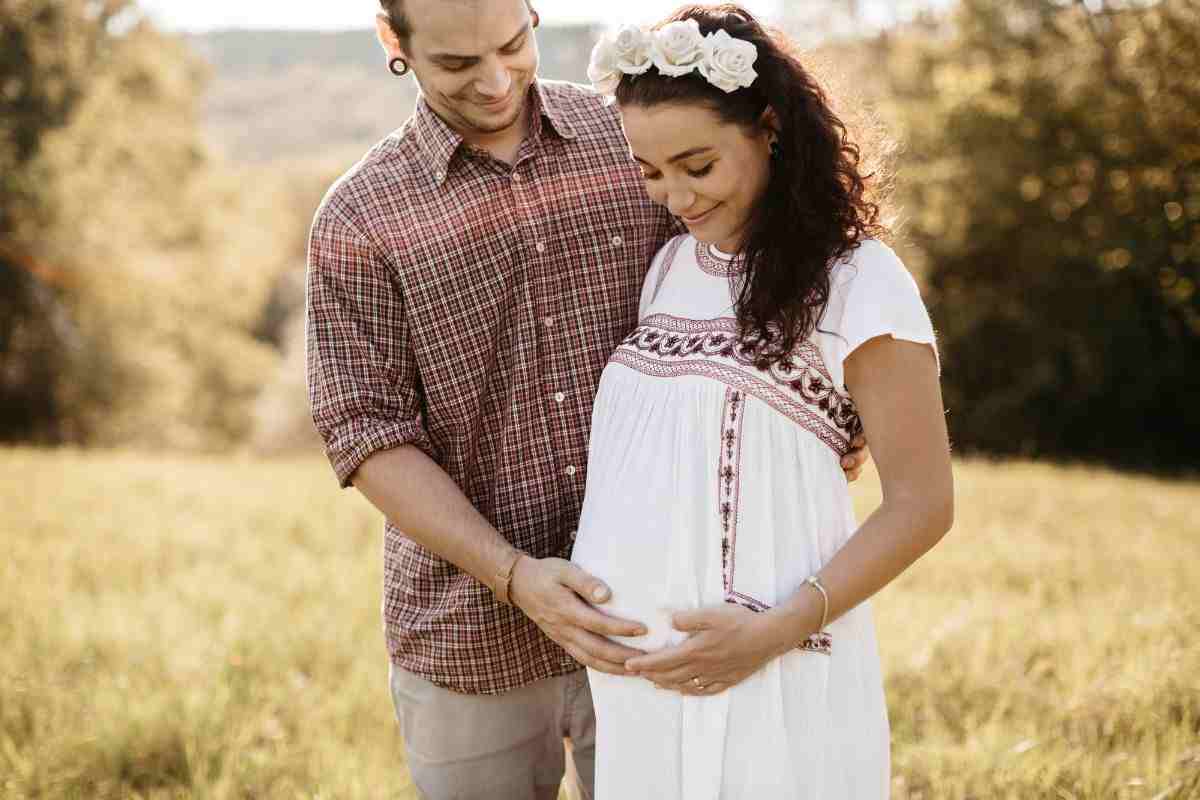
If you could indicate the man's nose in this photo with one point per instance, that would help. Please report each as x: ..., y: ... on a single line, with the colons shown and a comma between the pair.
x: 495, y: 81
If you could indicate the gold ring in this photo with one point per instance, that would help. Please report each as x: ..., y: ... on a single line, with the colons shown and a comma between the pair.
x: 696, y: 682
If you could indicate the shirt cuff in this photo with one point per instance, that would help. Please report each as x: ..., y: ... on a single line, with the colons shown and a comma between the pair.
x: 359, y: 439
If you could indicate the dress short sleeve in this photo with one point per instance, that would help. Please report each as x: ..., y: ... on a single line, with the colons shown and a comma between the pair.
x: 871, y: 294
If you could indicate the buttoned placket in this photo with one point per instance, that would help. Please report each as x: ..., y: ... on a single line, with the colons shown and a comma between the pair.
x: 555, y: 383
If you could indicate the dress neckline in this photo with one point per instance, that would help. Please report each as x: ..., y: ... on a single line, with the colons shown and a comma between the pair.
x: 716, y: 262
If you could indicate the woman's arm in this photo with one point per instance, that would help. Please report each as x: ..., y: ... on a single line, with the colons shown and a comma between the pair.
x: 895, y: 387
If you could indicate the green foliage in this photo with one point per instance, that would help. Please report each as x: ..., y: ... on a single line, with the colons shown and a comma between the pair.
x: 1053, y: 184
x: 131, y: 307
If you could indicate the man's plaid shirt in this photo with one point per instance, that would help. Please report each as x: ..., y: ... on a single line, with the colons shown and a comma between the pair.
x: 466, y: 306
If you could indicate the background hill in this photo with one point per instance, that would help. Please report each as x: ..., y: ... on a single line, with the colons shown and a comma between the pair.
x: 325, y: 97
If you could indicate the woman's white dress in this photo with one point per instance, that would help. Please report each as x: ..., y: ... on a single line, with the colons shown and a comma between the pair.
x: 711, y: 480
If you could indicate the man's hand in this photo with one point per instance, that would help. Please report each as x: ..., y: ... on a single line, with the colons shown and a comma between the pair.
x: 854, y: 461
x: 550, y: 591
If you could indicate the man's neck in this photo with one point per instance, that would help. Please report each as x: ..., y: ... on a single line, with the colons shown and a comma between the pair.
x: 505, y: 144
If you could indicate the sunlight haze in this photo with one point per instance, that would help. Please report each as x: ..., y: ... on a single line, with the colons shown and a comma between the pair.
x: 216, y: 14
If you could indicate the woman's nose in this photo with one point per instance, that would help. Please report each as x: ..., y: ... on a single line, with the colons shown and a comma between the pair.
x: 680, y: 200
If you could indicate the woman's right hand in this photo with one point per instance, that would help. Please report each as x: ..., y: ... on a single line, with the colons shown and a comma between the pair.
x: 551, y: 592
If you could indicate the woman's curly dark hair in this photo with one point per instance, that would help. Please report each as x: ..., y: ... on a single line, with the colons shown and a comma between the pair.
x: 816, y: 208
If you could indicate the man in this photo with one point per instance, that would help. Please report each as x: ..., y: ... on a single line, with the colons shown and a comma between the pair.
x: 467, y: 281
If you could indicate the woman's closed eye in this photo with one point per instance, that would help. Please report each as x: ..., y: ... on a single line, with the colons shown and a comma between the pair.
x: 695, y: 173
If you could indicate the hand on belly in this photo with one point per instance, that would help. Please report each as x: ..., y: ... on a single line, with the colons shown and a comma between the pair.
x: 656, y: 618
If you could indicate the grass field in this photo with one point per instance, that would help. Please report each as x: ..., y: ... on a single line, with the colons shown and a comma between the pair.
x: 191, y: 628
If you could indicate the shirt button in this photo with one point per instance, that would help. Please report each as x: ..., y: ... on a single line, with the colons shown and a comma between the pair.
x: 541, y: 247
x: 439, y: 175
x: 571, y: 470
x: 559, y: 397
x: 548, y: 322
x: 516, y: 178
x: 617, y: 241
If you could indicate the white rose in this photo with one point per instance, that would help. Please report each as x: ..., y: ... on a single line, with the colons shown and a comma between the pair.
x: 728, y: 63
x: 678, y: 48
x: 603, y: 71
x: 635, y: 50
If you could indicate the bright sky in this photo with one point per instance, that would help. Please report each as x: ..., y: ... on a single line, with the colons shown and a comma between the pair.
x: 199, y: 15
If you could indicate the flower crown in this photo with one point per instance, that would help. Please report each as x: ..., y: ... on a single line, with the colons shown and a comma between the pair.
x: 675, y: 49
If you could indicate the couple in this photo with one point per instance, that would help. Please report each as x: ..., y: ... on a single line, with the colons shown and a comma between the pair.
x: 684, y: 267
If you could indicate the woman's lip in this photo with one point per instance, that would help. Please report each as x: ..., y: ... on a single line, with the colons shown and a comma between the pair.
x: 701, y: 218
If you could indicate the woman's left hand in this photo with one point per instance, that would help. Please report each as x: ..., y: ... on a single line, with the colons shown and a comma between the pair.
x: 728, y: 643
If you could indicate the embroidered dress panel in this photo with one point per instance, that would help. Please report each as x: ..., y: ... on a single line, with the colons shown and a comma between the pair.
x: 713, y: 479
x: 466, y: 306
x: 801, y: 388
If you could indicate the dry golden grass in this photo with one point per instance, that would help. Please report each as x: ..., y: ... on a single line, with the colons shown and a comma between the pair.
x: 179, y: 627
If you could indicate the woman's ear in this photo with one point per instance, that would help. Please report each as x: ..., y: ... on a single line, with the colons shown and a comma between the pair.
x: 770, y: 123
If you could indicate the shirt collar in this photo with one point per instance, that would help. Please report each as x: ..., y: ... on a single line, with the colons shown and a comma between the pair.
x: 440, y: 142
x: 550, y: 110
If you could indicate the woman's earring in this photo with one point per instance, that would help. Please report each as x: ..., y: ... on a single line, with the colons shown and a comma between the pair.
x: 537, y: 20
x: 776, y: 151
x: 399, y: 67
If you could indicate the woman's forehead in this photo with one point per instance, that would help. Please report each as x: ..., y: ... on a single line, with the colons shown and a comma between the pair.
x: 664, y: 131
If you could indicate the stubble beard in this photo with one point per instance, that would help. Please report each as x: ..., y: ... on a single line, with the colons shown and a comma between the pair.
x: 490, y: 127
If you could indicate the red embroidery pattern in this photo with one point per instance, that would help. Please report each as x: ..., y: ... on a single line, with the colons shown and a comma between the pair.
x: 800, y: 388
x: 672, y: 249
x: 729, y: 472
x: 728, y: 475
x: 714, y: 265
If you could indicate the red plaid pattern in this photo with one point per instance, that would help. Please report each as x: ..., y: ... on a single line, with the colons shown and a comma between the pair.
x: 466, y: 306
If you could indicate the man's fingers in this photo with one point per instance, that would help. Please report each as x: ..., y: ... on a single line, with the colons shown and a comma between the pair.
x: 586, y: 586
x: 590, y: 619
x: 601, y: 649
x: 600, y: 665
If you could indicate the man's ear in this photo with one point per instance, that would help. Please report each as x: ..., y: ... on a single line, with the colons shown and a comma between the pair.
x: 387, y: 37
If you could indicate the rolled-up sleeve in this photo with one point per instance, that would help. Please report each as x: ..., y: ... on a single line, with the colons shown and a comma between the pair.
x: 363, y: 384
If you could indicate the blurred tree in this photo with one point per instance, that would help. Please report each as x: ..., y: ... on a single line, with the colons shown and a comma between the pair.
x: 125, y: 303
x: 1052, y: 181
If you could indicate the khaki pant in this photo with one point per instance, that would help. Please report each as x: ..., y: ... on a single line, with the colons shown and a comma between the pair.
x: 513, y: 746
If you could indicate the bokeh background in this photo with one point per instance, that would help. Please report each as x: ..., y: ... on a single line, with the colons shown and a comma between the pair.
x: 190, y: 608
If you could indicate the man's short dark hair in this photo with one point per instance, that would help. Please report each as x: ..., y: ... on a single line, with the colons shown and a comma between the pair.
x: 399, y: 20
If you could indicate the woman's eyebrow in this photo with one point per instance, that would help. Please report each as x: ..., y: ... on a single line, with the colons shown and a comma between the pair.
x: 695, y: 151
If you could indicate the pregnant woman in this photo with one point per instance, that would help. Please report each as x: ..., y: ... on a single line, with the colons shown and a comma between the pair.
x: 772, y: 334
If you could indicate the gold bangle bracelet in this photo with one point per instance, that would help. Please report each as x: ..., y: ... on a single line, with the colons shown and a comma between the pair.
x: 503, y: 577
x: 815, y: 582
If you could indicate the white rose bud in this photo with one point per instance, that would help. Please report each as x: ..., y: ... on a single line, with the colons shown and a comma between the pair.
x: 678, y: 48
x: 635, y: 50
x: 729, y: 62
x: 602, y: 70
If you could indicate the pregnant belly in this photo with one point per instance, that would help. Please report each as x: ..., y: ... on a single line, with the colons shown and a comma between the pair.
x: 646, y: 587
